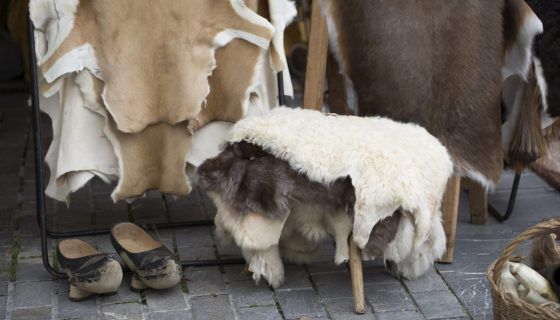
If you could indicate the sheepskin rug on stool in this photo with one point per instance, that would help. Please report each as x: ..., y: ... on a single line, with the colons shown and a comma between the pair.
x: 291, y: 178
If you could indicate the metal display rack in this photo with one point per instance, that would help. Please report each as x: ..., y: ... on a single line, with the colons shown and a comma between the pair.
x: 40, y: 203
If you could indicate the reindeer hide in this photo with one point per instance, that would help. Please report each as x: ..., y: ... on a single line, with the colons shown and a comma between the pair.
x: 434, y: 63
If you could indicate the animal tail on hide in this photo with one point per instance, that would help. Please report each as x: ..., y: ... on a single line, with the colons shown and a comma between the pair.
x: 528, y: 142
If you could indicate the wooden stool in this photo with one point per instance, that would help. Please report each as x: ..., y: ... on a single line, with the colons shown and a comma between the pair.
x: 317, y: 58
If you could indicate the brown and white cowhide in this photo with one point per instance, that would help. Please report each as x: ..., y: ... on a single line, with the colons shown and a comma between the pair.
x: 293, y: 177
x: 438, y: 64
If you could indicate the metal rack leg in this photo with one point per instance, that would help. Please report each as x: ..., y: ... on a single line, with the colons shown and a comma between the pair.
x: 511, y: 203
x: 38, y: 153
x: 39, y: 177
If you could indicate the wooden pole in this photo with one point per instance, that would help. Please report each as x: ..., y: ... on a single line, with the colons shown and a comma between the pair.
x: 450, y: 209
x: 357, y: 275
x: 478, y: 201
x: 316, y: 60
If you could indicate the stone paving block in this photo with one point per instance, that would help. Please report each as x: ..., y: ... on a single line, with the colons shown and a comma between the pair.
x: 63, y: 286
x: 299, y: 303
x: 400, y: 315
x: 3, y: 300
x: 188, y: 208
x: 33, y: 294
x: 30, y: 247
x: 31, y: 269
x: 204, y: 281
x: 208, y: 204
x: 296, y: 277
x: 474, y: 292
x: 76, y: 310
x: 248, y: 294
x: 438, y: 305
x: 333, y: 285
x: 165, y: 300
x: 34, y: 313
x: 124, y: 295
x: 199, y: 253
x: 430, y: 281
x: 473, y: 257
x: 237, y: 273
x: 4, y: 279
x: 326, y: 267
x: 228, y: 250
x: 119, y: 311
x: 8, y: 200
x: 343, y: 309
x: 389, y: 297
x: 194, y: 237
x: 211, y: 307
x: 259, y: 313
x: 170, y: 315
x: 482, y: 314
x: 378, y: 275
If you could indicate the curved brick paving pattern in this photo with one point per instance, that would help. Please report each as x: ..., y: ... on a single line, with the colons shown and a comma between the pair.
x: 316, y: 291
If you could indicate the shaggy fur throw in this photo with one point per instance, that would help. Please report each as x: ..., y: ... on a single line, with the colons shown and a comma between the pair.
x: 294, y: 176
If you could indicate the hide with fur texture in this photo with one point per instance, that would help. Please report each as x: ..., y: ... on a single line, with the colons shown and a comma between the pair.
x: 532, y: 101
x: 435, y: 63
x: 153, y: 158
x: 547, y: 51
x: 293, y: 176
x: 175, y: 53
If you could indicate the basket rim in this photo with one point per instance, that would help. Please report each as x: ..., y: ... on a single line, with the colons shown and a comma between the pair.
x: 537, y: 231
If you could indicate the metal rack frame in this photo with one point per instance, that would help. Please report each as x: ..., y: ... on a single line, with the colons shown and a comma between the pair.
x: 511, y: 202
x: 40, y: 203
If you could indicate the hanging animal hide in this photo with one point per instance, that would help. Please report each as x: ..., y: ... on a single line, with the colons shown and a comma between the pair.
x: 531, y: 101
x: 547, y: 55
x: 294, y: 176
x: 434, y: 63
x: 245, y: 77
x: 176, y: 53
x: 153, y: 158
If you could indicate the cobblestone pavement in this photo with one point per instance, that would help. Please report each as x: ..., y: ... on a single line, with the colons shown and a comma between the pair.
x: 315, y: 291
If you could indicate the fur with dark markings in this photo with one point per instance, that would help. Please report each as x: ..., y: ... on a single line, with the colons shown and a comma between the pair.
x: 250, y: 180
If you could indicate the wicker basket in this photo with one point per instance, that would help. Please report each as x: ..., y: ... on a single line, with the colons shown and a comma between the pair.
x: 507, y: 307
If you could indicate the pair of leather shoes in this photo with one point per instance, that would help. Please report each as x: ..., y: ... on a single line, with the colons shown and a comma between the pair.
x: 92, y: 272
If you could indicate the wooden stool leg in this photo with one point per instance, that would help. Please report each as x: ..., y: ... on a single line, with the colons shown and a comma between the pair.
x: 478, y: 201
x: 316, y: 60
x: 450, y: 209
x: 357, y: 275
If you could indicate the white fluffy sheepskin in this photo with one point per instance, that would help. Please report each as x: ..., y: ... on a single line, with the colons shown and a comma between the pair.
x: 392, y: 166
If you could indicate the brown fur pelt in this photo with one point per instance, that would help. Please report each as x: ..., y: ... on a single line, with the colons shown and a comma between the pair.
x: 547, y: 49
x: 251, y: 180
x: 280, y: 212
x: 435, y: 63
